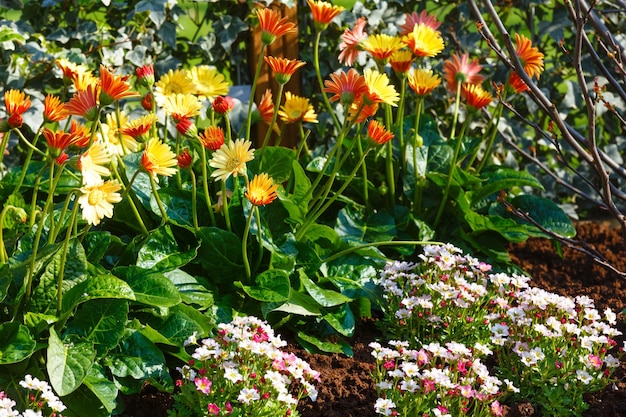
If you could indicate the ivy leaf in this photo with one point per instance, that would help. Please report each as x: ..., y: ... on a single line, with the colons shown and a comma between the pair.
x: 228, y: 29
x: 68, y: 365
x: 156, y: 9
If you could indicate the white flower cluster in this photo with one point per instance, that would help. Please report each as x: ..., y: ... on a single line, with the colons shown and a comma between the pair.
x: 42, y: 398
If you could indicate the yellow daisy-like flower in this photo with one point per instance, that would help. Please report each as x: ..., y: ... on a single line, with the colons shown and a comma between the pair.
x: 118, y: 142
x: 174, y: 82
x: 297, y: 109
x: 231, y: 159
x: 401, y: 61
x: 159, y: 159
x: 97, y: 200
x: 94, y: 162
x: 209, y: 82
x: 139, y: 127
x: 182, y: 106
x: 476, y: 96
x: 382, y: 46
x: 423, y: 81
x: 379, y: 88
x: 424, y: 41
x: 84, y: 80
x: 261, y: 190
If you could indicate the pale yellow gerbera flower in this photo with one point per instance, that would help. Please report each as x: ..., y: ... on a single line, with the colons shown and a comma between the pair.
x: 117, y: 142
x: 261, y: 190
x: 231, y: 159
x: 297, y: 109
x: 94, y: 162
x: 423, y: 81
x: 159, y: 159
x: 379, y: 88
x: 174, y: 82
x: 182, y: 106
x: 209, y: 83
x: 97, y: 200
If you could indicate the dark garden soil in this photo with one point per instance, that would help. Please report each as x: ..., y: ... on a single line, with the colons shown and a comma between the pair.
x: 347, y: 388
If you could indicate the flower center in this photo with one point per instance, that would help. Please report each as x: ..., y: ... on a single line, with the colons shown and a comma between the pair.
x: 95, y: 197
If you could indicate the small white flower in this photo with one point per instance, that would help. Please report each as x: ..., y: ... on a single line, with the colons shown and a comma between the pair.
x: 232, y: 374
x: 384, y: 406
x: 247, y: 395
x: 583, y: 376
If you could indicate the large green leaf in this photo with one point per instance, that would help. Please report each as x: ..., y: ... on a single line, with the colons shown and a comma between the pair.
x: 354, y: 226
x: 101, y: 322
x: 99, y: 286
x: 543, y: 211
x: 16, y: 343
x: 220, y: 254
x: 97, y: 396
x: 150, y: 287
x: 177, y: 205
x: 271, y: 286
x: 325, y: 297
x: 179, y: 326
x: 342, y: 320
x: 190, y: 288
x: 160, y: 251
x: 96, y: 244
x: 325, y: 346
x: 502, y: 178
x: 68, y: 365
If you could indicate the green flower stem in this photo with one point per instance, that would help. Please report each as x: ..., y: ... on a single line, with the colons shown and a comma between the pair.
x: 260, y: 257
x: 417, y: 198
x: 66, y: 244
x: 304, y: 136
x: 4, y: 257
x: 490, y: 141
x: 194, y: 202
x: 400, y: 124
x: 229, y: 131
x: 244, y: 245
x: 33, y: 202
x: 270, y: 128
x: 131, y: 196
x: 377, y: 244
x: 389, y: 161
x: 255, y: 81
x: 177, y: 146
x: 364, y: 174
x: 162, y: 209
x: 225, y: 206
x: 205, y: 186
x: 453, y: 163
x: 29, y: 154
x: 54, y: 233
x: 316, y: 60
x: 316, y: 214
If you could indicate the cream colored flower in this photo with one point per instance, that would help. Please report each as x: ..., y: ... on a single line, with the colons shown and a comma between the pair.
x: 94, y: 162
x: 97, y: 200
x: 231, y: 159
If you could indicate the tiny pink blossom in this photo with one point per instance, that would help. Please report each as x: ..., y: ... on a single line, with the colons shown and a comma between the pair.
x: 213, y: 409
x: 203, y: 385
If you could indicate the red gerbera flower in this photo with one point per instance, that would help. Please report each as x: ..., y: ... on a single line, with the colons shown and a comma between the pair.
x: 85, y: 103
x: 114, y: 88
x: 346, y: 87
x: 212, y: 138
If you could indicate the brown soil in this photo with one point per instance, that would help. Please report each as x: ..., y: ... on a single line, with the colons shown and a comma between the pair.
x: 347, y: 388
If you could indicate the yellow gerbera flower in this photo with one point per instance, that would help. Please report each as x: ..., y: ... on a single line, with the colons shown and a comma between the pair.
x: 159, y: 159
x: 379, y: 88
x: 138, y: 127
x: 174, y: 82
x: 423, y: 81
x: 261, y: 190
x: 182, y: 106
x: 94, y: 162
x: 424, y: 41
x: 231, y: 159
x: 118, y: 142
x: 97, y: 200
x: 382, y: 46
x: 209, y: 82
x: 297, y: 109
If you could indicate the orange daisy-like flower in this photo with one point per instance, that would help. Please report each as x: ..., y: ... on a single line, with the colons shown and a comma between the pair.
x: 57, y: 140
x: 158, y: 159
x: 382, y: 46
x: 212, y: 138
x: 378, y: 133
x: 297, y: 109
x: 53, y: 109
x: 401, y: 61
x: 346, y: 87
x: 261, y: 190
x: 283, y: 68
x: 351, y: 40
x: 265, y: 109
x: 80, y: 135
x: 476, y: 96
x: 71, y: 71
x: 273, y: 25
x: 460, y: 69
x: 414, y: 19
x: 114, y: 88
x: 323, y: 12
x: 422, y: 81
x: 530, y: 58
x: 361, y: 109
x: 16, y: 103
x: 139, y: 127
x: 424, y: 41
x: 85, y: 103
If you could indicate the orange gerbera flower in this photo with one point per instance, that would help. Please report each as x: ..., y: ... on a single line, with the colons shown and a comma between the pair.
x: 283, y: 68
x: 16, y: 103
x: 80, y: 135
x: 53, y: 109
x: 423, y: 81
x: 139, y: 127
x: 71, y: 71
x: 351, y: 40
x: 273, y: 25
x: 346, y: 87
x: 459, y: 69
x: 114, y: 88
x: 362, y: 108
x: 85, y: 103
x: 531, y: 59
x: 265, y: 109
x: 475, y: 95
x: 323, y: 12
x: 261, y: 190
x: 424, y: 41
x: 382, y: 46
x: 57, y: 140
x: 297, y: 109
x: 378, y: 133
x: 414, y: 19
x: 401, y: 61
x: 212, y: 138
x: 158, y: 159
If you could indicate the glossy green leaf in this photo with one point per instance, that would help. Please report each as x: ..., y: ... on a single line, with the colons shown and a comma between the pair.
x: 177, y: 205
x: 325, y: 297
x: 99, y: 286
x: 342, y: 320
x: 101, y: 322
x: 354, y: 226
x: 220, y: 254
x: 179, y: 326
x: 324, y: 346
x: 160, y: 251
x: 96, y: 245
x: 190, y: 288
x: 300, y: 304
x: 546, y: 213
x: 271, y: 286
x: 68, y: 365
x: 102, y: 388
x: 503, y: 179
x: 16, y: 343
x: 150, y: 287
